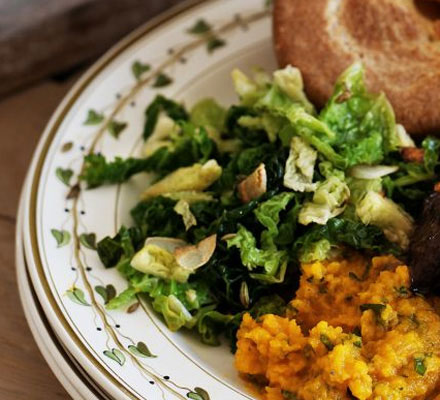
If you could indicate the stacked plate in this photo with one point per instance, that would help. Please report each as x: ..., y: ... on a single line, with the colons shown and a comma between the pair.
x: 187, y: 55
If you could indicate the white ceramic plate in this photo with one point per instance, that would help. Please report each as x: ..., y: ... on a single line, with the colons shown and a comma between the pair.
x: 76, y: 383
x: 63, y: 270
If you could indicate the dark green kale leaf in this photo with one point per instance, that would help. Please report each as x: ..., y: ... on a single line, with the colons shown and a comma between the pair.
x: 161, y: 104
x: 289, y: 221
x: 272, y: 155
x: 341, y: 231
x: 98, y: 171
x: 191, y: 146
x: 211, y: 324
x: 431, y: 146
x: 270, y: 304
x: 156, y: 217
x: 414, y: 181
x: 121, y: 248
x: 249, y: 137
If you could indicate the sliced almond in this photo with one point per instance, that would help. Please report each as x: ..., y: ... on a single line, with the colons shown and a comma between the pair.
x: 372, y: 171
x: 254, y: 185
x: 194, y: 256
x: 166, y: 243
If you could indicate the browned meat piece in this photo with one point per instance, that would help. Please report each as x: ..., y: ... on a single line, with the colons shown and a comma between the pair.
x: 413, y: 154
x: 424, y: 251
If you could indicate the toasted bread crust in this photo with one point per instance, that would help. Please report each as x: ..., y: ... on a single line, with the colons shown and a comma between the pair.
x: 397, y: 42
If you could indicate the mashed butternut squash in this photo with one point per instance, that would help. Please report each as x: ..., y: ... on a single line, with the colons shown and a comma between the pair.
x: 354, y: 330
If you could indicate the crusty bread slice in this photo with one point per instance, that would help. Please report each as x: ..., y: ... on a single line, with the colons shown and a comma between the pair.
x: 397, y: 40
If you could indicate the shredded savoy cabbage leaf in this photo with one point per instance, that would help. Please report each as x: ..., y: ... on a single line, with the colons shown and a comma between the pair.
x: 327, y: 180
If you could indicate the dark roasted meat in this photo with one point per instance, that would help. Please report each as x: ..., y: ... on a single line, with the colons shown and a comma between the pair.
x: 424, y: 251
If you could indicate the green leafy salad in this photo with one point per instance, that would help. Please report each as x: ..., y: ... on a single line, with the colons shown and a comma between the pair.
x: 243, y: 195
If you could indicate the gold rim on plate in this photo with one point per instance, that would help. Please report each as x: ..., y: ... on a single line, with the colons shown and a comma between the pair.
x: 50, y: 132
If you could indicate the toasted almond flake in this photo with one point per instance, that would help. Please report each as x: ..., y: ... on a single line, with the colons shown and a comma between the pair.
x: 194, y: 256
x: 254, y: 185
x: 372, y: 171
x: 166, y: 243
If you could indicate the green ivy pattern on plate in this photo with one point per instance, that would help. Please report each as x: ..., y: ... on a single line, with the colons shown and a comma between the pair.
x: 201, y: 33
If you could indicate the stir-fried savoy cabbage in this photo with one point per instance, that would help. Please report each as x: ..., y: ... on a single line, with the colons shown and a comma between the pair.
x: 245, y: 194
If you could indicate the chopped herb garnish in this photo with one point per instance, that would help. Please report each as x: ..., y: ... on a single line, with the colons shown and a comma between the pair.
x: 402, y: 291
x: 258, y: 380
x: 349, y: 299
x: 289, y: 395
x: 377, y: 309
x: 162, y: 80
x: 353, y: 276
x: 200, y: 27
x: 419, y: 365
x: 139, y: 68
x: 357, y: 332
x: 325, y: 340
x: 308, y: 351
x: 93, y: 118
x: 115, y: 128
x: 357, y: 339
x: 160, y: 104
x: 364, y: 276
x: 322, y: 288
x: 413, y: 318
x: 291, y: 311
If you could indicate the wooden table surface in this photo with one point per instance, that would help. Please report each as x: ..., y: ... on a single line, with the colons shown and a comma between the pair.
x: 24, y: 374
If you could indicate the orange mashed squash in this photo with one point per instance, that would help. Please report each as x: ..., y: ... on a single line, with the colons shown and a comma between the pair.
x: 353, y: 331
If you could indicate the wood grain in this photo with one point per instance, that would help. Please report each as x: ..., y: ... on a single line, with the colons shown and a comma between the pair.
x: 24, y: 374
x: 43, y: 37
